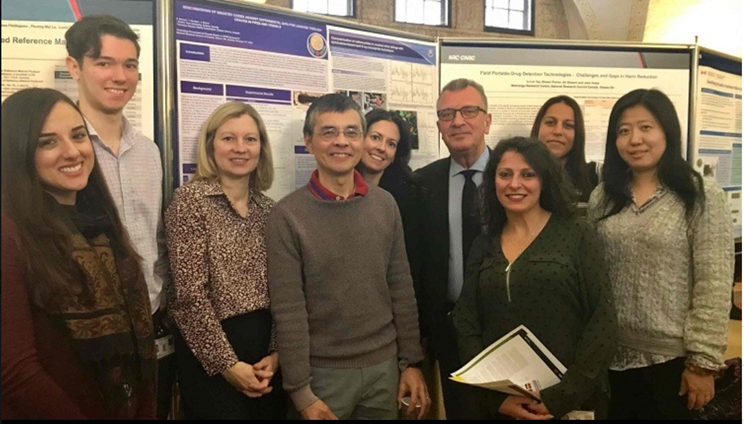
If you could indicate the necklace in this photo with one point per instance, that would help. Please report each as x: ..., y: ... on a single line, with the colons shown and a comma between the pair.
x: 523, y: 246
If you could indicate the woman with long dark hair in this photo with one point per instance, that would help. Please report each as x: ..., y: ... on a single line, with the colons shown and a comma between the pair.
x: 560, y: 125
x: 536, y: 265
x: 668, y: 238
x: 76, y: 322
x: 387, y: 152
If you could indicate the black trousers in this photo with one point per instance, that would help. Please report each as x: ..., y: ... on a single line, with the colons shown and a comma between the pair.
x: 649, y: 393
x: 166, y: 366
x: 459, y: 399
x: 213, y: 398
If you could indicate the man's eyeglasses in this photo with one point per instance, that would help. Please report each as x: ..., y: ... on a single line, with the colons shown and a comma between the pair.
x: 467, y: 112
x: 331, y: 134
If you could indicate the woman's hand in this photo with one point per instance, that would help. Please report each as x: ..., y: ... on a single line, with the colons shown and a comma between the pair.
x: 266, y: 368
x: 700, y: 389
x: 244, y: 379
x: 518, y: 407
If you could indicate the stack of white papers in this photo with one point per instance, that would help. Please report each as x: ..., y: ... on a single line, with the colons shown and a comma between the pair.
x: 517, y: 364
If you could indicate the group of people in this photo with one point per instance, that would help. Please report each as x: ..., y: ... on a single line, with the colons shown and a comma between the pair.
x: 323, y: 305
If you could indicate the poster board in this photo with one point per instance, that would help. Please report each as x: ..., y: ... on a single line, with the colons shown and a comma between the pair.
x: 279, y: 62
x: 716, y: 145
x: 519, y: 77
x: 33, y: 48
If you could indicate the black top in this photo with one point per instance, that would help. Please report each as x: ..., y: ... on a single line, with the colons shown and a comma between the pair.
x: 593, y: 179
x: 560, y: 290
x: 409, y: 195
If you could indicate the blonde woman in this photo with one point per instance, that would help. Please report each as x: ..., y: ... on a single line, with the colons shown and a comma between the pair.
x: 219, y: 297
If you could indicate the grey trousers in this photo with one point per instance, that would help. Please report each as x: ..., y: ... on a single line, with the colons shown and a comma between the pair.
x: 359, y: 393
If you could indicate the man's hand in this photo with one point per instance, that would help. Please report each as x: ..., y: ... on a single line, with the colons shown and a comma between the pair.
x: 318, y: 411
x: 412, y: 381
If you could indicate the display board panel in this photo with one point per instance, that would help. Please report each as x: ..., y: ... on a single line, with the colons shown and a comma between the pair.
x: 519, y: 77
x: 33, y: 48
x: 280, y: 63
x: 716, y: 144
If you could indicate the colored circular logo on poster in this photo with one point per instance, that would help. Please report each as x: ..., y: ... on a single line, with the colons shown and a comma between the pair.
x: 317, y: 45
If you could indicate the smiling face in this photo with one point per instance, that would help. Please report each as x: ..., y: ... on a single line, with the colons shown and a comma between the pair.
x: 237, y: 147
x: 557, y: 129
x: 107, y: 83
x: 518, y: 186
x: 641, y: 140
x: 380, y: 146
x: 64, y: 155
x: 464, y: 135
x: 336, y: 142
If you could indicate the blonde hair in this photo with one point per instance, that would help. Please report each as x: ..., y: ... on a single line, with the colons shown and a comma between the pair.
x: 206, y: 167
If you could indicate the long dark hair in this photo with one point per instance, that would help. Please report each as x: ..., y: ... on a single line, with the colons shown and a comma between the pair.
x: 673, y: 170
x: 557, y: 195
x: 399, y: 168
x: 576, y: 166
x: 44, y: 236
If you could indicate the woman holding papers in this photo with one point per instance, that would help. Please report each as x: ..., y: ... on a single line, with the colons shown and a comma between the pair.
x: 668, y: 238
x: 560, y: 125
x: 539, y: 267
x: 219, y: 298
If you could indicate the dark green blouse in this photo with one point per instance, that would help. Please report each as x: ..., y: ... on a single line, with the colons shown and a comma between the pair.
x: 560, y: 290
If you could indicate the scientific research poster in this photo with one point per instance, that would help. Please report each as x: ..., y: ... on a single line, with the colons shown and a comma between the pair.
x: 518, y: 80
x: 717, y: 147
x: 34, y: 53
x: 280, y: 64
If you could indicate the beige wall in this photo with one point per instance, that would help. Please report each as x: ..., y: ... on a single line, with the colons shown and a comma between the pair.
x: 716, y: 23
x: 467, y: 18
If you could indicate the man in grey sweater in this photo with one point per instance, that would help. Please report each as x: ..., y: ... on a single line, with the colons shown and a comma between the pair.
x: 341, y: 290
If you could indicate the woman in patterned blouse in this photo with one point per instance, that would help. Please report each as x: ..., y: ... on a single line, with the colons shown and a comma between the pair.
x: 219, y: 297
x: 668, y: 239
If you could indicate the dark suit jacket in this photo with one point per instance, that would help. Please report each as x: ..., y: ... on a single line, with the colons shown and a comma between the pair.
x: 434, y: 251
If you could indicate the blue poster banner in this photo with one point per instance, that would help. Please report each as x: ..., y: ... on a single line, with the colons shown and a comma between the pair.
x: 239, y: 28
x: 255, y: 93
x: 383, y: 48
x: 189, y: 87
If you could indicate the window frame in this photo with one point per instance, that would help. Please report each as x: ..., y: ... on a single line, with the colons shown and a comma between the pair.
x: 446, y: 14
x: 352, y: 5
x: 530, y: 16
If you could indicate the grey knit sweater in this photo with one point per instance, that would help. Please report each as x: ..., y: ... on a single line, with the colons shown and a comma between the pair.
x: 671, y: 276
x: 340, y: 286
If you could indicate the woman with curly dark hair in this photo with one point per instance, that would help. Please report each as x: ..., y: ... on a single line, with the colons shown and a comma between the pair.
x: 538, y: 266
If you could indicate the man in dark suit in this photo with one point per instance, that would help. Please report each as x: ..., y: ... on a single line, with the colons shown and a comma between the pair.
x: 450, y: 224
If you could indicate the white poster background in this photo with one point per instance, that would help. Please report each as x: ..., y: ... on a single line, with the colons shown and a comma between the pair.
x: 516, y: 93
x: 717, y: 147
x: 28, y: 64
x: 407, y: 86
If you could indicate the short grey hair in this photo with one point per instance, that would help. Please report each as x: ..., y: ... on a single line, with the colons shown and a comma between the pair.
x: 333, y: 103
x: 463, y: 83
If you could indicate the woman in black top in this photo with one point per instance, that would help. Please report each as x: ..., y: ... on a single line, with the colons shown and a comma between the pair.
x: 387, y: 152
x: 560, y: 126
x: 537, y: 266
